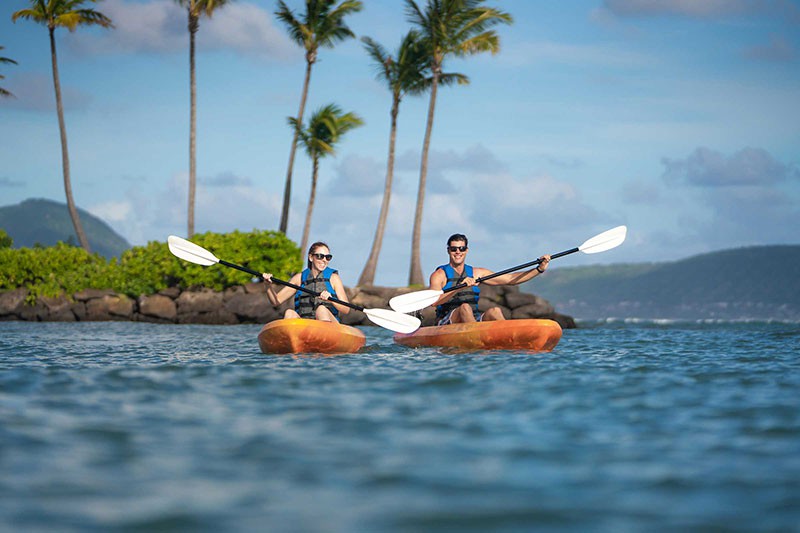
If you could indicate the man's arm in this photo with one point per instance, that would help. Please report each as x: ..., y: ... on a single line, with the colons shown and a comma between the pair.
x: 515, y: 278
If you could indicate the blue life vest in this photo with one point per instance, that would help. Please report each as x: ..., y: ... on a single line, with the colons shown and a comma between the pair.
x: 468, y: 295
x: 306, y: 304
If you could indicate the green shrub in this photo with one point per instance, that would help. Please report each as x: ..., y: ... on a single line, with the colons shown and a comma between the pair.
x: 146, y: 269
x: 52, y: 270
x: 5, y: 240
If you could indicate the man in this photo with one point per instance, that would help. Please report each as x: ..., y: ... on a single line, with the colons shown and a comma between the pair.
x: 462, y: 306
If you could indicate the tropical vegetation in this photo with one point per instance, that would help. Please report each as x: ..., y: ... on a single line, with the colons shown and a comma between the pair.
x: 322, y: 24
x: 407, y: 72
x: 441, y: 29
x: 319, y: 137
x: 5, y: 240
x: 64, y: 269
x: 403, y: 73
x: 449, y: 28
x: 195, y: 9
x: 64, y: 14
x: 4, y: 92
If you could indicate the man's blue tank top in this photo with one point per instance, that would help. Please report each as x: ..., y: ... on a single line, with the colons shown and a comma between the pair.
x: 468, y: 295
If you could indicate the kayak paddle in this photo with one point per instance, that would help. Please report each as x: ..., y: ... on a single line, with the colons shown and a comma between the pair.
x: 198, y: 255
x: 414, y: 301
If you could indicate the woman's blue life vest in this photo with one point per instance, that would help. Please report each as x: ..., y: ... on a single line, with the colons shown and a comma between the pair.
x: 306, y: 304
x: 468, y: 295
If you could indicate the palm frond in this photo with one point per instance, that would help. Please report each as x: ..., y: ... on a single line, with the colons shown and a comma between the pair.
x: 324, y: 129
x: 415, y: 15
x: 63, y: 13
x: 485, y: 42
x: 6, y: 59
x: 29, y: 14
x: 453, y: 78
x: 209, y: 6
x: 294, y: 26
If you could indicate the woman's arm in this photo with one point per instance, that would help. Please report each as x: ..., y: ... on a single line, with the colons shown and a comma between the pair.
x: 341, y: 294
x: 276, y: 298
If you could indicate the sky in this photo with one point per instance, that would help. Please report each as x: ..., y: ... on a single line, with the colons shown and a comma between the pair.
x: 677, y: 118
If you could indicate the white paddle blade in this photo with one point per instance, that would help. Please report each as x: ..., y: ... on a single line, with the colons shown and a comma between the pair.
x: 392, y: 320
x: 605, y: 241
x: 414, y: 301
x: 189, y: 251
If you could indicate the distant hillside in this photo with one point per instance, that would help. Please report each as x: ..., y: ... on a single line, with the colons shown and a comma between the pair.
x: 46, y: 222
x: 761, y: 282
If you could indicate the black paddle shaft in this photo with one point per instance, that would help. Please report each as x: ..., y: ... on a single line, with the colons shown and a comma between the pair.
x: 292, y: 285
x: 512, y: 269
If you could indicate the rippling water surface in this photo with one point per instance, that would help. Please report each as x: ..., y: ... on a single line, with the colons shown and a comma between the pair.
x: 624, y: 427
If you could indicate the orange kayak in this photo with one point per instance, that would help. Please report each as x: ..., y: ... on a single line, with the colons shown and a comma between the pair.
x: 538, y: 335
x: 302, y: 335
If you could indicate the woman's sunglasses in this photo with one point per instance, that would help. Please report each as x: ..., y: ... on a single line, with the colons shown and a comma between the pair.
x: 457, y: 248
x: 326, y: 257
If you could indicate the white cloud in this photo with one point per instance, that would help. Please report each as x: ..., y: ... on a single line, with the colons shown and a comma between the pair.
x: 152, y: 214
x: 359, y: 176
x: 726, y: 201
x: 117, y: 211
x: 248, y: 28
x: 226, y: 179
x: 641, y: 192
x: 510, y: 205
x: 708, y: 168
x: 447, y: 168
x: 161, y: 26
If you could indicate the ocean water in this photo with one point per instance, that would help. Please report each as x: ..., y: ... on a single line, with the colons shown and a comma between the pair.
x: 625, y: 426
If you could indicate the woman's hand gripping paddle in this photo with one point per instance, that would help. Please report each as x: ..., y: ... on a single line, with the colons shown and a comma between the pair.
x: 188, y: 251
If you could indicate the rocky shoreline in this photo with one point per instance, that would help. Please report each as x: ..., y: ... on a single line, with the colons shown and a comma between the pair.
x: 247, y: 304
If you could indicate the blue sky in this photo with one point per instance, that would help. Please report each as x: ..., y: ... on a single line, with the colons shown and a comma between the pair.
x: 678, y: 118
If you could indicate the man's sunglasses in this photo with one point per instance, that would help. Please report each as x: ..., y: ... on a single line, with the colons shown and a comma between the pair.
x: 457, y: 248
x: 326, y: 257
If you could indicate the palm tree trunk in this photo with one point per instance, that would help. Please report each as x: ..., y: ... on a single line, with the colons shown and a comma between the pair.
x: 73, y: 211
x: 368, y: 275
x: 415, y: 271
x: 194, y: 23
x: 310, y: 209
x: 287, y: 189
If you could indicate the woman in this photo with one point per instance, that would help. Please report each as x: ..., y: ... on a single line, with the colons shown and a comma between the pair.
x: 318, y: 277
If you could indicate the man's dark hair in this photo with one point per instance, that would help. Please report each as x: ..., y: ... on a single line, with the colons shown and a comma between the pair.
x: 458, y: 237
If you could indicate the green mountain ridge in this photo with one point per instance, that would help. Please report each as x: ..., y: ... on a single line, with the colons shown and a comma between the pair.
x: 45, y: 222
x: 758, y: 282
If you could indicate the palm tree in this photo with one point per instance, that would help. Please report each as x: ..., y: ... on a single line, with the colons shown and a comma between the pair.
x: 322, y: 25
x: 406, y: 73
x: 450, y: 28
x: 4, y: 92
x: 324, y: 130
x: 68, y: 14
x: 195, y: 9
